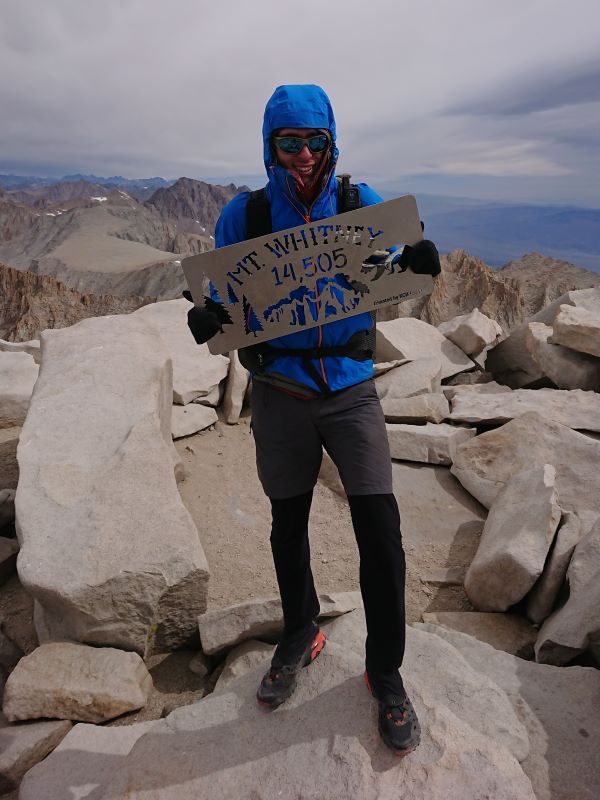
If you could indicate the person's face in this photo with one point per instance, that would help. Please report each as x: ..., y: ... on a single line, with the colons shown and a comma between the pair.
x: 305, y: 163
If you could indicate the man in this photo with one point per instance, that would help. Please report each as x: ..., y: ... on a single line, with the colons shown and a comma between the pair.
x: 312, y: 390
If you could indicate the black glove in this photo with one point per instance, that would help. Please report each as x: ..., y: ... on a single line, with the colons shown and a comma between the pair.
x: 202, y: 322
x: 422, y: 258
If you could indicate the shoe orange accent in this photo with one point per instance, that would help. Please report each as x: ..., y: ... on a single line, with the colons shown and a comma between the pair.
x: 401, y: 753
x: 317, y: 645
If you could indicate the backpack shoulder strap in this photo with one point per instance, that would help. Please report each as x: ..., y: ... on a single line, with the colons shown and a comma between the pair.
x: 348, y: 194
x: 258, y: 215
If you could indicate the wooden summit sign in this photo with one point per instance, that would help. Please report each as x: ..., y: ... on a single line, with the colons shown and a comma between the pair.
x: 306, y: 276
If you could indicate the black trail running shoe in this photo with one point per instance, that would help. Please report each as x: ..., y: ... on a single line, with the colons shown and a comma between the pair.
x: 280, y: 681
x: 398, y: 724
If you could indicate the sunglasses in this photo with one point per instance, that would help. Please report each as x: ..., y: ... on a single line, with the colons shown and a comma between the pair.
x: 294, y: 144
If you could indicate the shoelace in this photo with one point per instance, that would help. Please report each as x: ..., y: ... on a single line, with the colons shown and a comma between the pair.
x: 395, y: 708
x: 277, y: 672
x: 397, y: 714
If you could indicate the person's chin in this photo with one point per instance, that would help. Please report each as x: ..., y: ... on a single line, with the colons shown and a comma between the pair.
x: 306, y: 175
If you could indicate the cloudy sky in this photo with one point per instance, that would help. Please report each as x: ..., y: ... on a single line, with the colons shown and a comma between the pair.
x: 479, y: 98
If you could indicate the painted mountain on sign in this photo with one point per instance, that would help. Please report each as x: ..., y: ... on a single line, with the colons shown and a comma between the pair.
x: 338, y: 293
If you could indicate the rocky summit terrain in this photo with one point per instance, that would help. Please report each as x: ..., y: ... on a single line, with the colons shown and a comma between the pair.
x: 542, y: 279
x: 29, y: 304
x: 143, y: 543
x: 508, y: 295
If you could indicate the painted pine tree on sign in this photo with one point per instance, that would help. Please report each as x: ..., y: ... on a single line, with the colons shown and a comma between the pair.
x: 232, y: 298
x: 251, y: 321
x: 220, y: 310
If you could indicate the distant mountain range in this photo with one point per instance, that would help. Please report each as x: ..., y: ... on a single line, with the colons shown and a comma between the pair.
x: 100, y: 240
x: 501, y: 232
x: 495, y: 232
x: 10, y: 182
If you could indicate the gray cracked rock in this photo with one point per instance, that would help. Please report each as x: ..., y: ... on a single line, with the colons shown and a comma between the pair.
x: 18, y: 374
x: 575, y: 627
x: 422, y: 408
x: 197, y: 373
x: 578, y: 329
x: 562, y: 762
x: 574, y: 408
x: 484, y: 464
x: 412, y: 338
x: 73, y: 681
x: 106, y: 487
x: 24, y: 746
x: 472, y: 332
x: 515, y: 541
x: 428, y: 443
x: 528, y: 358
x: 542, y: 597
x: 261, y: 618
x: 324, y: 736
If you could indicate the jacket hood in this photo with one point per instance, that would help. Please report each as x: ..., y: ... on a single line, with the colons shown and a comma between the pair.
x: 297, y: 106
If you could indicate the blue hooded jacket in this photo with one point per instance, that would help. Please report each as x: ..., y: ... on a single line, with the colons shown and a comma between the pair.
x: 302, y: 106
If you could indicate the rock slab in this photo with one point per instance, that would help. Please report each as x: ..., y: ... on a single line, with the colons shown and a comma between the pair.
x: 238, y: 379
x: 527, y: 358
x: 412, y: 338
x: 225, y: 744
x: 484, y: 464
x: 410, y: 380
x: 260, y: 618
x: 471, y: 332
x: 422, y: 408
x: 84, y: 761
x: 72, y: 681
x: 588, y: 299
x: 429, y: 443
x: 196, y: 372
x: 578, y: 329
x: 574, y: 408
x: 108, y: 550
x: 32, y: 348
x: 473, y: 697
x: 190, y: 419
x: 242, y: 659
x: 506, y: 632
x: 515, y: 541
x: 575, y: 627
x: 562, y: 763
x: 541, y: 599
x: 487, y: 387
x: 18, y: 374
x: 24, y: 746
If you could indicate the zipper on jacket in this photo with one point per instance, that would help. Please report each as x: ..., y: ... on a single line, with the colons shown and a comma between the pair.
x: 307, y: 219
x: 319, y: 327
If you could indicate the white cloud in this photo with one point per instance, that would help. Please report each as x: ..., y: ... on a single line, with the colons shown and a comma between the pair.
x: 145, y: 87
